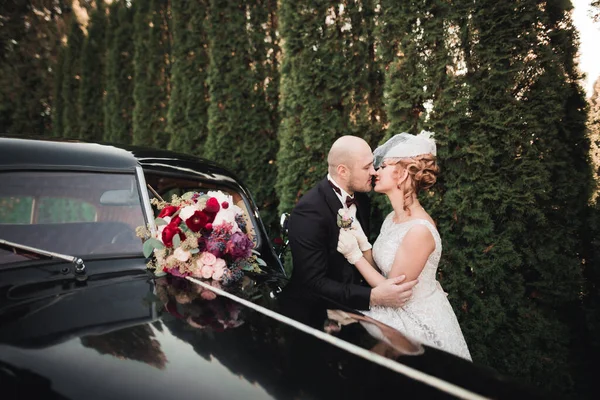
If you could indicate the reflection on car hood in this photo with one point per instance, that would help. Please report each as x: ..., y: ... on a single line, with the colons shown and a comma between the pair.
x: 136, y: 337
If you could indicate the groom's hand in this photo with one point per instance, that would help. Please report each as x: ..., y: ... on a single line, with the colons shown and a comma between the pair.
x: 348, y: 246
x: 393, y: 292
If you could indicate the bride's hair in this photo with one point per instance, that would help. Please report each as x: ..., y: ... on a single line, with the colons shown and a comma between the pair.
x: 422, y: 170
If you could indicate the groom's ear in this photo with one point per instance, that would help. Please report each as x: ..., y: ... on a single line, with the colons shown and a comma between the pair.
x: 342, y: 170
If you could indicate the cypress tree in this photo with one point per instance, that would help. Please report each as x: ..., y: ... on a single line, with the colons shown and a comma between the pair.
x: 70, y: 87
x: 91, y: 90
x: 158, y: 72
x: 329, y: 57
x: 57, y: 101
x: 504, y: 133
x: 151, y: 63
x: 188, y: 103
x: 119, y: 75
x: 240, y: 134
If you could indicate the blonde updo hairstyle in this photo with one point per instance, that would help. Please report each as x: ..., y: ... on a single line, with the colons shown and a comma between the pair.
x: 422, y: 174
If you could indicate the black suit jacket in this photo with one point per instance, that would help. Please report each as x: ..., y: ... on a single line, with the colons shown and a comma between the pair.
x: 313, y: 235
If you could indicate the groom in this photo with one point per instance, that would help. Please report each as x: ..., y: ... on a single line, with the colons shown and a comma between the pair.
x: 313, y: 232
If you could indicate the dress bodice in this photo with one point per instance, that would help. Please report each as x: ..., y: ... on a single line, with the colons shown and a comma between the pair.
x: 389, y: 240
x: 428, y: 315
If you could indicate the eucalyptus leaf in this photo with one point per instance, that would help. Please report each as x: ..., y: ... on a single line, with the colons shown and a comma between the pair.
x: 160, y: 221
x: 261, y: 262
x: 157, y: 244
x: 147, y: 248
x: 194, y: 251
x: 176, y: 241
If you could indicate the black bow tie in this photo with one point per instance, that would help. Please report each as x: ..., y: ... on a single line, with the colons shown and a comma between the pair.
x: 349, y: 200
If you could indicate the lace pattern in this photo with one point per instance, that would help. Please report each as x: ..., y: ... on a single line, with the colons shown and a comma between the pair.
x: 428, y: 316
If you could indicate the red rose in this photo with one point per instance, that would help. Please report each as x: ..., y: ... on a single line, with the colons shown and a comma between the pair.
x: 212, y: 206
x: 196, y: 221
x: 278, y: 241
x: 169, y: 232
x: 168, y: 211
x: 225, y: 205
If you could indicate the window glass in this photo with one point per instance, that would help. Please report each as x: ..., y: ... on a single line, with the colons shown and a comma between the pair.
x: 73, y: 213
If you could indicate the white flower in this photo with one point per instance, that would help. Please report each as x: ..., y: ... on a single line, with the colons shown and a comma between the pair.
x: 220, y: 196
x: 227, y: 215
x: 182, y: 255
x: 187, y: 212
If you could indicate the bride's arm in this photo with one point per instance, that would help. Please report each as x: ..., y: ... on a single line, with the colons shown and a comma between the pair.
x: 410, y: 259
x: 366, y: 269
x: 348, y: 246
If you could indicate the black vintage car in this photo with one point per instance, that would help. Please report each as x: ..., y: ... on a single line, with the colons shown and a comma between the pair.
x: 81, y: 317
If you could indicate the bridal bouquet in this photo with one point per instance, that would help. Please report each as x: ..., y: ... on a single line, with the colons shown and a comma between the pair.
x: 201, y: 235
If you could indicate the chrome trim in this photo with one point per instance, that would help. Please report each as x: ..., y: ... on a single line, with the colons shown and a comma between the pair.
x: 143, y: 189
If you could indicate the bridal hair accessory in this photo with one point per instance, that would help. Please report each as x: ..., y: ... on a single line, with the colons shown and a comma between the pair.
x: 405, y: 145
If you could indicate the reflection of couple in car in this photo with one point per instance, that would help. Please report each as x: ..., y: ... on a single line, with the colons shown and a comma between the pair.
x: 394, y: 280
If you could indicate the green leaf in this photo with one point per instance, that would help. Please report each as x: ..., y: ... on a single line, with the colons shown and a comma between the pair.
x: 148, y: 248
x: 261, y: 262
x: 157, y: 244
x: 160, y: 221
x: 176, y: 241
x: 194, y: 251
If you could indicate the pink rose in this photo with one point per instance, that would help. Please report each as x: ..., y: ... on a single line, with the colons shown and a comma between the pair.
x: 208, y: 258
x: 219, y: 270
x: 207, y: 271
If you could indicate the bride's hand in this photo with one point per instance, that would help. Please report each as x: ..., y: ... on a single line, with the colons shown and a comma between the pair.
x: 361, y: 238
x: 348, y: 246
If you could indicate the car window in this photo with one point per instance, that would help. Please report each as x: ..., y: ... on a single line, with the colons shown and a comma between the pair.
x: 74, y: 213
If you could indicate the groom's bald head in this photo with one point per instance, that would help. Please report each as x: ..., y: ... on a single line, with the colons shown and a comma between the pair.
x: 350, y: 163
x: 346, y: 150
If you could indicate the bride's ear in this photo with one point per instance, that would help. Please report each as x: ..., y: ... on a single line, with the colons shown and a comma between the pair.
x: 403, y: 177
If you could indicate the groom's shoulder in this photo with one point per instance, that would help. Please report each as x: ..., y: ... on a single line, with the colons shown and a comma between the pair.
x: 312, y: 196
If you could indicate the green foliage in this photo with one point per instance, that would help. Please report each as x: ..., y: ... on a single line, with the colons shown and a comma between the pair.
x: 118, y: 103
x: 326, y: 89
x: 151, y: 71
x: 29, y: 43
x: 70, y: 82
x: 188, y: 104
x: 91, y: 90
x: 241, y: 124
x: 57, y: 103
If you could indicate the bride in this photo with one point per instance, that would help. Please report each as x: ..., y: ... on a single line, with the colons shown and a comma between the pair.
x: 408, y: 244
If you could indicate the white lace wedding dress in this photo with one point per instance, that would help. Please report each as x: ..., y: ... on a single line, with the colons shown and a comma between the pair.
x: 428, y: 316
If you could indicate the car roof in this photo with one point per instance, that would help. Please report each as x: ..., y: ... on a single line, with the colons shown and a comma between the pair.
x: 17, y: 153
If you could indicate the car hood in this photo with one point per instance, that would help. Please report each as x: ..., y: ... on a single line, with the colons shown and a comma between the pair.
x: 131, y: 336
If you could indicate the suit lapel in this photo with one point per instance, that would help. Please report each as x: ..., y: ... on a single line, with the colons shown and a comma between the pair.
x: 333, y: 202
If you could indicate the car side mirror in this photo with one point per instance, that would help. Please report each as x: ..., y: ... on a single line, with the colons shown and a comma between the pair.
x: 283, y: 223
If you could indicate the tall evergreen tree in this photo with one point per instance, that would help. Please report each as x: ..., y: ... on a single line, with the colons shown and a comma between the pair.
x: 30, y: 35
x: 503, y: 141
x: 57, y: 103
x: 151, y: 81
x: 240, y: 130
x: 118, y: 104
x: 323, y: 89
x: 91, y: 90
x: 71, y: 81
x: 188, y: 103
